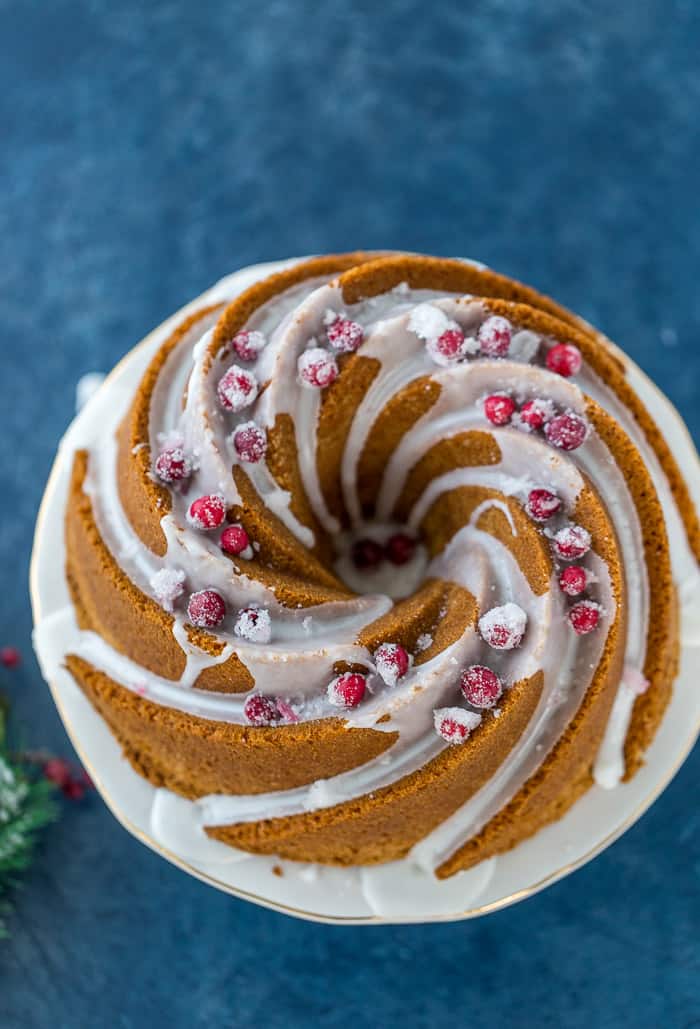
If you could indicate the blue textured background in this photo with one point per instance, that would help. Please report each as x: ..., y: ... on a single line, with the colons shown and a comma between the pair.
x: 148, y: 148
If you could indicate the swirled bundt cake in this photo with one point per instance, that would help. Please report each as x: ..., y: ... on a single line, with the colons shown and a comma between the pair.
x: 379, y: 546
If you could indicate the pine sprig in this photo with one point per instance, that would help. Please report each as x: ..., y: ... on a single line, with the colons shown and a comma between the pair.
x: 26, y: 806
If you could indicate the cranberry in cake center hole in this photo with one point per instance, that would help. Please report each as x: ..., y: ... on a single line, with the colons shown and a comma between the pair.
x: 382, y: 558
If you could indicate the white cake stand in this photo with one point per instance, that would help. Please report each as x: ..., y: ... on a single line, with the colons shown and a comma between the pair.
x: 398, y: 892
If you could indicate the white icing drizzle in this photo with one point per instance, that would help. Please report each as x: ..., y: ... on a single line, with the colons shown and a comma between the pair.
x: 306, y: 643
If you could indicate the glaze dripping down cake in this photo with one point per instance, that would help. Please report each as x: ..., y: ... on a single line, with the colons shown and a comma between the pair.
x: 378, y: 548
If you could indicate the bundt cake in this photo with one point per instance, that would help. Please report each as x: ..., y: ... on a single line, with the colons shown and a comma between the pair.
x: 377, y: 559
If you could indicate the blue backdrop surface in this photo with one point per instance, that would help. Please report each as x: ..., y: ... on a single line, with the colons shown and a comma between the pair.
x: 150, y: 148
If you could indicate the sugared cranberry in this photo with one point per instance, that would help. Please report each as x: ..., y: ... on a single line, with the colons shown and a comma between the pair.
x: 400, y: 548
x: 392, y: 662
x: 317, y: 368
x: 173, y: 465
x: 564, y: 359
x: 454, y: 724
x: 254, y: 624
x: 367, y: 554
x: 207, y: 512
x: 494, y: 336
x: 250, y: 442
x: 573, y: 580
x: 206, y: 609
x: 347, y: 690
x: 499, y: 408
x: 237, y: 389
x: 234, y: 540
x: 10, y: 657
x: 480, y: 686
x: 535, y: 413
x: 261, y: 710
x: 503, y: 627
x: 345, y: 335
x: 584, y: 616
x: 571, y: 542
x: 542, y: 504
x: 286, y: 710
x: 247, y: 345
x: 168, y: 584
x: 566, y: 431
x: 448, y: 347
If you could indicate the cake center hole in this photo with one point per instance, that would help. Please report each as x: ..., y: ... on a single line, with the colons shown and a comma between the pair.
x: 381, y: 558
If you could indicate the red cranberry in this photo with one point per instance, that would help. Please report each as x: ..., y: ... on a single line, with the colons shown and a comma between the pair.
x: 503, y: 627
x: 261, y: 710
x: 250, y: 442
x: 317, y: 368
x: 480, y: 686
x: 454, y: 724
x: 73, y: 789
x: 571, y: 542
x: 58, y: 771
x: 345, y: 335
x: 207, y: 512
x: 173, y: 465
x: 584, y: 616
x: 247, y: 345
x: 448, y: 347
x: 10, y: 657
x: 566, y: 431
x: 347, y: 690
x: 234, y: 539
x: 564, y: 359
x: 573, y: 580
x: 494, y: 336
x: 534, y: 413
x: 392, y: 662
x: 367, y: 554
x: 542, y: 504
x: 206, y: 609
x: 237, y: 389
x: 400, y: 548
x: 499, y: 408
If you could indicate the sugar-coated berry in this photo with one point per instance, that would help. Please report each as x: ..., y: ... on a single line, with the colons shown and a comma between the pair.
x: 400, y: 548
x: 455, y: 724
x: 571, y: 542
x: 261, y: 710
x: 448, y: 347
x: 503, y: 627
x: 345, y: 335
x: 564, y: 359
x: 566, y: 431
x: 250, y: 442
x: 317, y: 368
x: 573, y: 580
x: 248, y: 345
x: 480, y: 686
x: 254, y: 624
x: 207, y: 512
x: 237, y: 389
x: 494, y: 336
x: 347, y: 690
x: 584, y: 616
x: 234, y: 540
x: 367, y: 554
x: 542, y: 504
x: 173, y: 464
x: 206, y: 609
x: 391, y: 661
x: 499, y: 408
x: 168, y: 584
x: 10, y: 657
x: 536, y: 413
